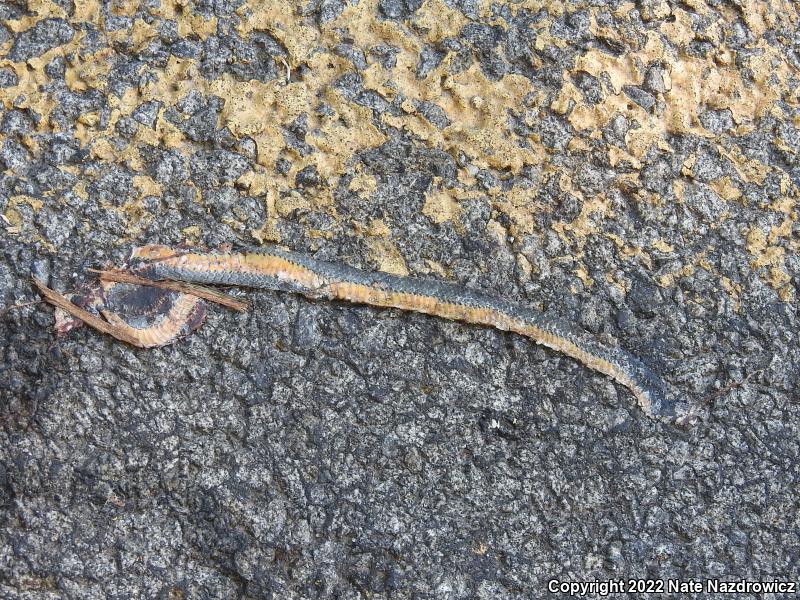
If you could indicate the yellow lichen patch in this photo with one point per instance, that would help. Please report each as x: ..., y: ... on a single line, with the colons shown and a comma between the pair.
x: 378, y: 228
x: 440, y: 205
x: 80, y: 189
x: 734, y: 290
x: 286, y: 205
x: 592, y: 211
x: 280, y: 20
x: 679, y: 189
x: 617, y: 155
x: 436, y: 267
x: 687, y: 168
x: 691, y: 86
x: 35, y: 203
x: 177, y: 79
x: 39, y: 9
x: 750, y: 170
x: 27, y: 94
x: 146, y: 186
x: 495, y: 230
x: 191, y: 234
x: 583, y: 274
x: 268, y: 232
x: 363, y: 183
x: 770, y: 256
x: 12, y: 221
x: 437, y: 21
x: 520, y: 206
x: 343, y: 135
x: 479, y: 108
x: 668, y: 279
x: 256, y: 183
x: 663, y: 246
x: 86, y: 11
x: 385, y: 253
x: 726, y: 189
x: 88, y: 72
x: 629, y: 250
x: 620, y: 70
x: 761, y: 15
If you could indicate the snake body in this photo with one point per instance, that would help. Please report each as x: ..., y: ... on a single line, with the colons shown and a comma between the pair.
x: 277, y: 269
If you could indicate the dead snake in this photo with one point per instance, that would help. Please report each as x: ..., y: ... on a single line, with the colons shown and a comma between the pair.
x: 276, y: 269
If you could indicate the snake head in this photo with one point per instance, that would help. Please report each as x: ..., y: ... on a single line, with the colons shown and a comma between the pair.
x: 154, y: 253
x: 144, y: 258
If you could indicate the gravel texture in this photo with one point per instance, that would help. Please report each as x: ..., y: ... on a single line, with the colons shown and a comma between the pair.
x: 313, y: 449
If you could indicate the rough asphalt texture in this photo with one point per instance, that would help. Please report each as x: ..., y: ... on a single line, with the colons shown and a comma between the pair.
x: 313, y: 449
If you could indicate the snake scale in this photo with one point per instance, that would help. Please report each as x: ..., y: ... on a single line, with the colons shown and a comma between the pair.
x: 276, y: 269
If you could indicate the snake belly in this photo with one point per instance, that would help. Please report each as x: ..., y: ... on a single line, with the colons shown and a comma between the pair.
x: 277, y: 269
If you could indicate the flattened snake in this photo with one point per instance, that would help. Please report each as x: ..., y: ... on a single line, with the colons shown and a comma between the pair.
x: 276, y: 269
